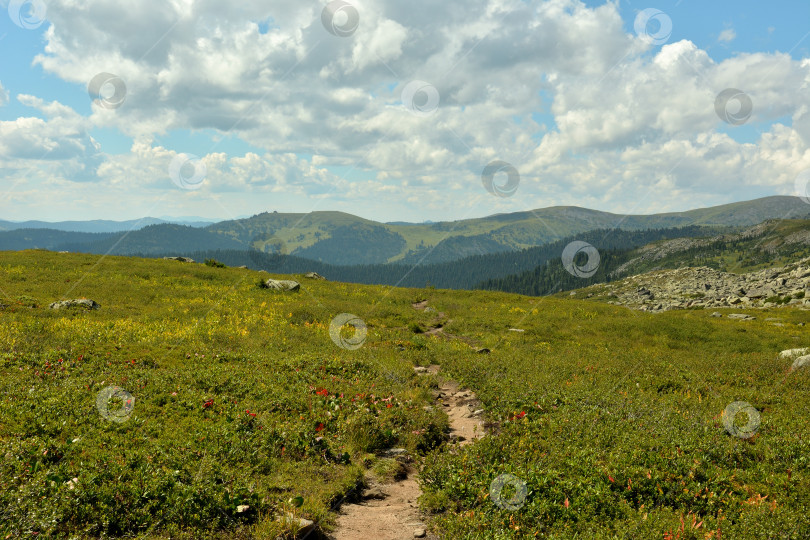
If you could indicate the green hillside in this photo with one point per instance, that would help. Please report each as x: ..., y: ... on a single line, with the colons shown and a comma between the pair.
x: 464, y: 273
x: 235, y: 407
x: 769, y: 244
x: 343, y: 239
x: 315, y: 232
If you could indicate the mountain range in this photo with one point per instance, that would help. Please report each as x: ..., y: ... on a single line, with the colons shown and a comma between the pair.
x: 101, y: 225
x: 337, y: 238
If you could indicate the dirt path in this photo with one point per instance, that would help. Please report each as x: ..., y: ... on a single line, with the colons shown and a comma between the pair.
x: 390, y: 511
x: 387, y: 512
x: 461, y: 407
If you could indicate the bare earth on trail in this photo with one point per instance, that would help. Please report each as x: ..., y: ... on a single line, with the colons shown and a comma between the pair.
x: 390, y: 511
x: 460, y: 406
x: 394, y: 517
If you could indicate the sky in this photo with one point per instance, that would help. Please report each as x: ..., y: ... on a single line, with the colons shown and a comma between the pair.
x: 398, y: 111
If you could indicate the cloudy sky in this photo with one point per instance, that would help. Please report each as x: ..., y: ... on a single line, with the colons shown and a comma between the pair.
x: 397, y: 110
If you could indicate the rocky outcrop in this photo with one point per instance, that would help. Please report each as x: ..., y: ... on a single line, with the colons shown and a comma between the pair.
x: 314, y: 275
x: 703, y: 287
x: 181, y: 259
x: 84, y: 303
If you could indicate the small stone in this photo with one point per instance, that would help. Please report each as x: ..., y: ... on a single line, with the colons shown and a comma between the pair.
x: 716, y: 314
x: 301, y: 525
x: 420, y: 369
x: 419, y: 533
x: 374, y: 493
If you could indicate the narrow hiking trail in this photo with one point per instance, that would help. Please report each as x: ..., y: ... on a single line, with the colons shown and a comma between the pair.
x: 390, y: 511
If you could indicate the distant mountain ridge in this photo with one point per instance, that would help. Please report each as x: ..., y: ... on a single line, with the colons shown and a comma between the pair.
x: 97, y: 225
x: 338, y: 238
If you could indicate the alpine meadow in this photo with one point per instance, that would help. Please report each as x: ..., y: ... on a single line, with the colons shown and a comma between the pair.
x: 355, y: 270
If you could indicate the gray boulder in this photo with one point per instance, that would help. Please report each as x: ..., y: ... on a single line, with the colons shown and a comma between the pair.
x: 793, y: 353
x: 741, y: 316
x: 181, y: 259
x: 758, y: 293
x: 282, y: 285
x: 800, y: 362
x: 84, y: 303
x: 314, y: 275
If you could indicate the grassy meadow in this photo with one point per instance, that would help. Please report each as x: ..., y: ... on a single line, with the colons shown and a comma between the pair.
x: 236, y: 407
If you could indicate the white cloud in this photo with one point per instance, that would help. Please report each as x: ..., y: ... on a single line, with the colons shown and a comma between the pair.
x: 727, y: 35
x: 3, y: 96
x: 618, y: 114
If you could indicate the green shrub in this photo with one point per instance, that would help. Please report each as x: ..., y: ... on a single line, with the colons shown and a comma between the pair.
x: 27, y: 301
x: 214, y: 263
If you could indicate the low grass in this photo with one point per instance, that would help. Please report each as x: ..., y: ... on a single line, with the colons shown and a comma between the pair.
x: 612, y: 418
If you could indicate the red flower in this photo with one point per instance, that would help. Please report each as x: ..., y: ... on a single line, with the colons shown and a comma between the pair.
x: 208, y: 403
x: 522, y: 414
x: 323, y: 392
x: 320, y: 427
x: 611, y: 478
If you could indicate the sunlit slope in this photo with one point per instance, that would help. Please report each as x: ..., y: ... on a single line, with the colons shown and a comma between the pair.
x: 612, y: 418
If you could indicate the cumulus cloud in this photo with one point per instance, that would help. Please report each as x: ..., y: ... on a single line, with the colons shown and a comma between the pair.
x: 58, y: 144
x: 586, y: 111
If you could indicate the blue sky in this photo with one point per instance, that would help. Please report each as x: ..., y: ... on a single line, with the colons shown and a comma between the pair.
x: 276, y: 112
